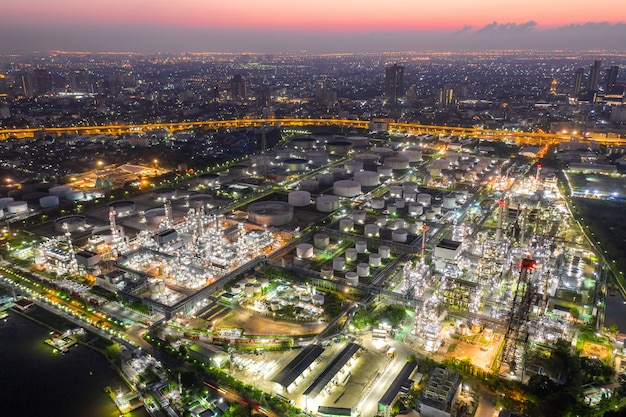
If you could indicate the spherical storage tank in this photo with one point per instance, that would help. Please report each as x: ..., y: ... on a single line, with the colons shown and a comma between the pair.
x: 295, y: 164
x: 299, y: 198
x: 304, y: 251
x: 49, y: 201
x: 327, y: 203
x: 270, y: 213
x: 17, y: 207
x: 397, y: 162
x: 366, y: 178
x: 59, y: 190
x: 123, y: 207
x: 346, y: 188
x: 73, y: 223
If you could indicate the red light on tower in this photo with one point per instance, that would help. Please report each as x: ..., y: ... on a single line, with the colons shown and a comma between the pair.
x: 502, y: 203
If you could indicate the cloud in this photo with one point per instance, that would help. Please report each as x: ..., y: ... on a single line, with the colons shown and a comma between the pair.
x: 464, y: 29
x: 502, y: 28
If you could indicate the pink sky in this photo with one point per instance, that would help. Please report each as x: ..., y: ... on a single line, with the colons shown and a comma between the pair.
x: 336, y: 15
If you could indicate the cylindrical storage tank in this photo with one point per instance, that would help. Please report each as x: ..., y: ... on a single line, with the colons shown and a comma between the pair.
x: 459, y: 197
x: 346, y: 188
x: 375, y: 260
x: 411, y: 155
x: 270, y: 213
x: 1, y: 213
x: 416, y: 209
x: 397, y: 163
x: 295, y: 164
x: 49, y: 201
x: 17, y: 207
x: 123, y: 208
x: 399, y: 235
x: 395, y: 191
x: 327, y: 203
x: 436, y: 209
x: 304, y: 251
x: 419, y: 224
x: 359, y: 216
x: 236, y: 288
x: 325, y: 180
x: 4, y: 202
x: 353, y: 166
x: 381, y: 220
x: 359, y: 141
x: 351, y: 254
x: 201, y: 201
x: 367, y: 178
x: 384, y: 171
x: 274, y: 305
x: 165, y: 193
x: 318, y: 299
x: 283, y: 153
x: 384, y: 252
x: 238, y: 169
x: 382, y: 152
x: 398, y: 224
x: 257, y: 288
x: 339, y: 173
x: 327, y: 272
x: 73, y: 223
x: 317, y: 157
x: 346, y: 225
x: 424, y: 199
x: 409, y: 186
x: 363, y: 270
x: 259, y: 160
x: 59, y: 190
x: 430, y: 215
x: 299, y: 198
x: 391, y: 208
x: 75, y: 195
x: 368, y: 159
x: 155, y: 216
x: 310, y: 186
x: 411, y: 228
x: 360, y: 246
x: 409, y: 196
x: 339, y: 263
x: 303, y: 142
x: 352, y: 278
x: 249, y: 289
x: 400, y: 203
x: 449, y: 202
x: 339, y: 147
x: 377, y: 203
x: 321, y: 240
x: 371, y: 230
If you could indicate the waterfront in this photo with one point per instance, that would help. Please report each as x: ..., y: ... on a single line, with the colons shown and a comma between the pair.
x: 35, y: 380
x: 614, y: 313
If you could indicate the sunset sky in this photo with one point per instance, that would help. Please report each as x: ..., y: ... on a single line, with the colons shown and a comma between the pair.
x: 322, y: 25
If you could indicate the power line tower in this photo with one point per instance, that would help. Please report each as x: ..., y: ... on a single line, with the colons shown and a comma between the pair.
x: 517, y: 326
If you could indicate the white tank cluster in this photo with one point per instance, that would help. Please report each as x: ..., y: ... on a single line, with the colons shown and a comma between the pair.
x: 327, y: 203
x: 299, y: 198
x: 270, y: 213
x: 367, y: 178
x: 346, y: 188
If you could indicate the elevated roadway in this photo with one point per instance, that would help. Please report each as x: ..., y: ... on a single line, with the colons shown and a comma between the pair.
x: 529, y: 138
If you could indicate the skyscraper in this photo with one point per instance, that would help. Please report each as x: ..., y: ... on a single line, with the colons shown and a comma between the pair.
x: 611, y: 77
x: 238, y: 86
x: 394, y: 82
x: 594, y: 76
x: 446, y: 96
x: 578, y: 81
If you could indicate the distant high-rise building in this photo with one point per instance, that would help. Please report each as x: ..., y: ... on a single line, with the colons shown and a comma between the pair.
x: 43, y: 81
x: 594, y: 75
x: 394, y: 82
x: 578, y: 81
x: 553, y: 85
x: 27, y: 84
x: 611, y: 77
x: 264, y: 96
x: 80, y: 82
x: 237, y: 87
x: 446, y: 96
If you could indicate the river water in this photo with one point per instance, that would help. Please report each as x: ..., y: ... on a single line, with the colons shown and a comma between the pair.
x: 615, y: 312
x: 35, y: 381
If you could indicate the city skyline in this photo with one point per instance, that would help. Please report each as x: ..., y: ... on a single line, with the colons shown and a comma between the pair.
x: 279, y: 26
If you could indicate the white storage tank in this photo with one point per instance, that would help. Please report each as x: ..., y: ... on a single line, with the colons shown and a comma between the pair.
x: 384, y: 252
x: 363, y: 270
x: 257, y: 288
x: 236, y: 288
x: 4, y: 202
x: 75, y: 195
x: 249, y: 289
x: 391, y: 208
x: 412, y: 155
x: 397, y: 163
x: 367, y: 178
x: 399, y: 235
x: 327, y: 203
x: 327, y: 272
x: 368, y: 159
x: 346, y: 225
x: 353, y: 166
x: 338, y: 173
x: 352, y: 278
x: 17, y: 207
x: 165, y: 193
x: 1, y: 213
x: 359, y: 216
x: 270, y: 213
x: 430, y: 215
x: 339, y: 263
x: 371, y: 230
x: 295, y: 164
x: 398, y: 224
x: 321, y: 240
x: 400, y: 203
x: 299, y: 198
x: 395, y: 191
x: 49, y: 201
x: 198, y: 201
x: 410, y: 196
x: 412, y: 228
x: 317, y: 299
x: 339, y: 147
x: 346, y: 188
x: 310, y: 186
x: 351, y: 254
x: 382, y: 152
x: 409, y: 186
x: 155, y: 216
x: 59, y: 190
x: 449, y: 202
x: 419, y: 225
x: 424, y: 199
x: 375, y: 260
x: 360, y: 246
x: 317, y: 157
x: 437, y: 209
x: 381, y: 220
x: 304, y: 251
x: 377, y: 203
x: 384, y: 171
x: 325, y: 180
